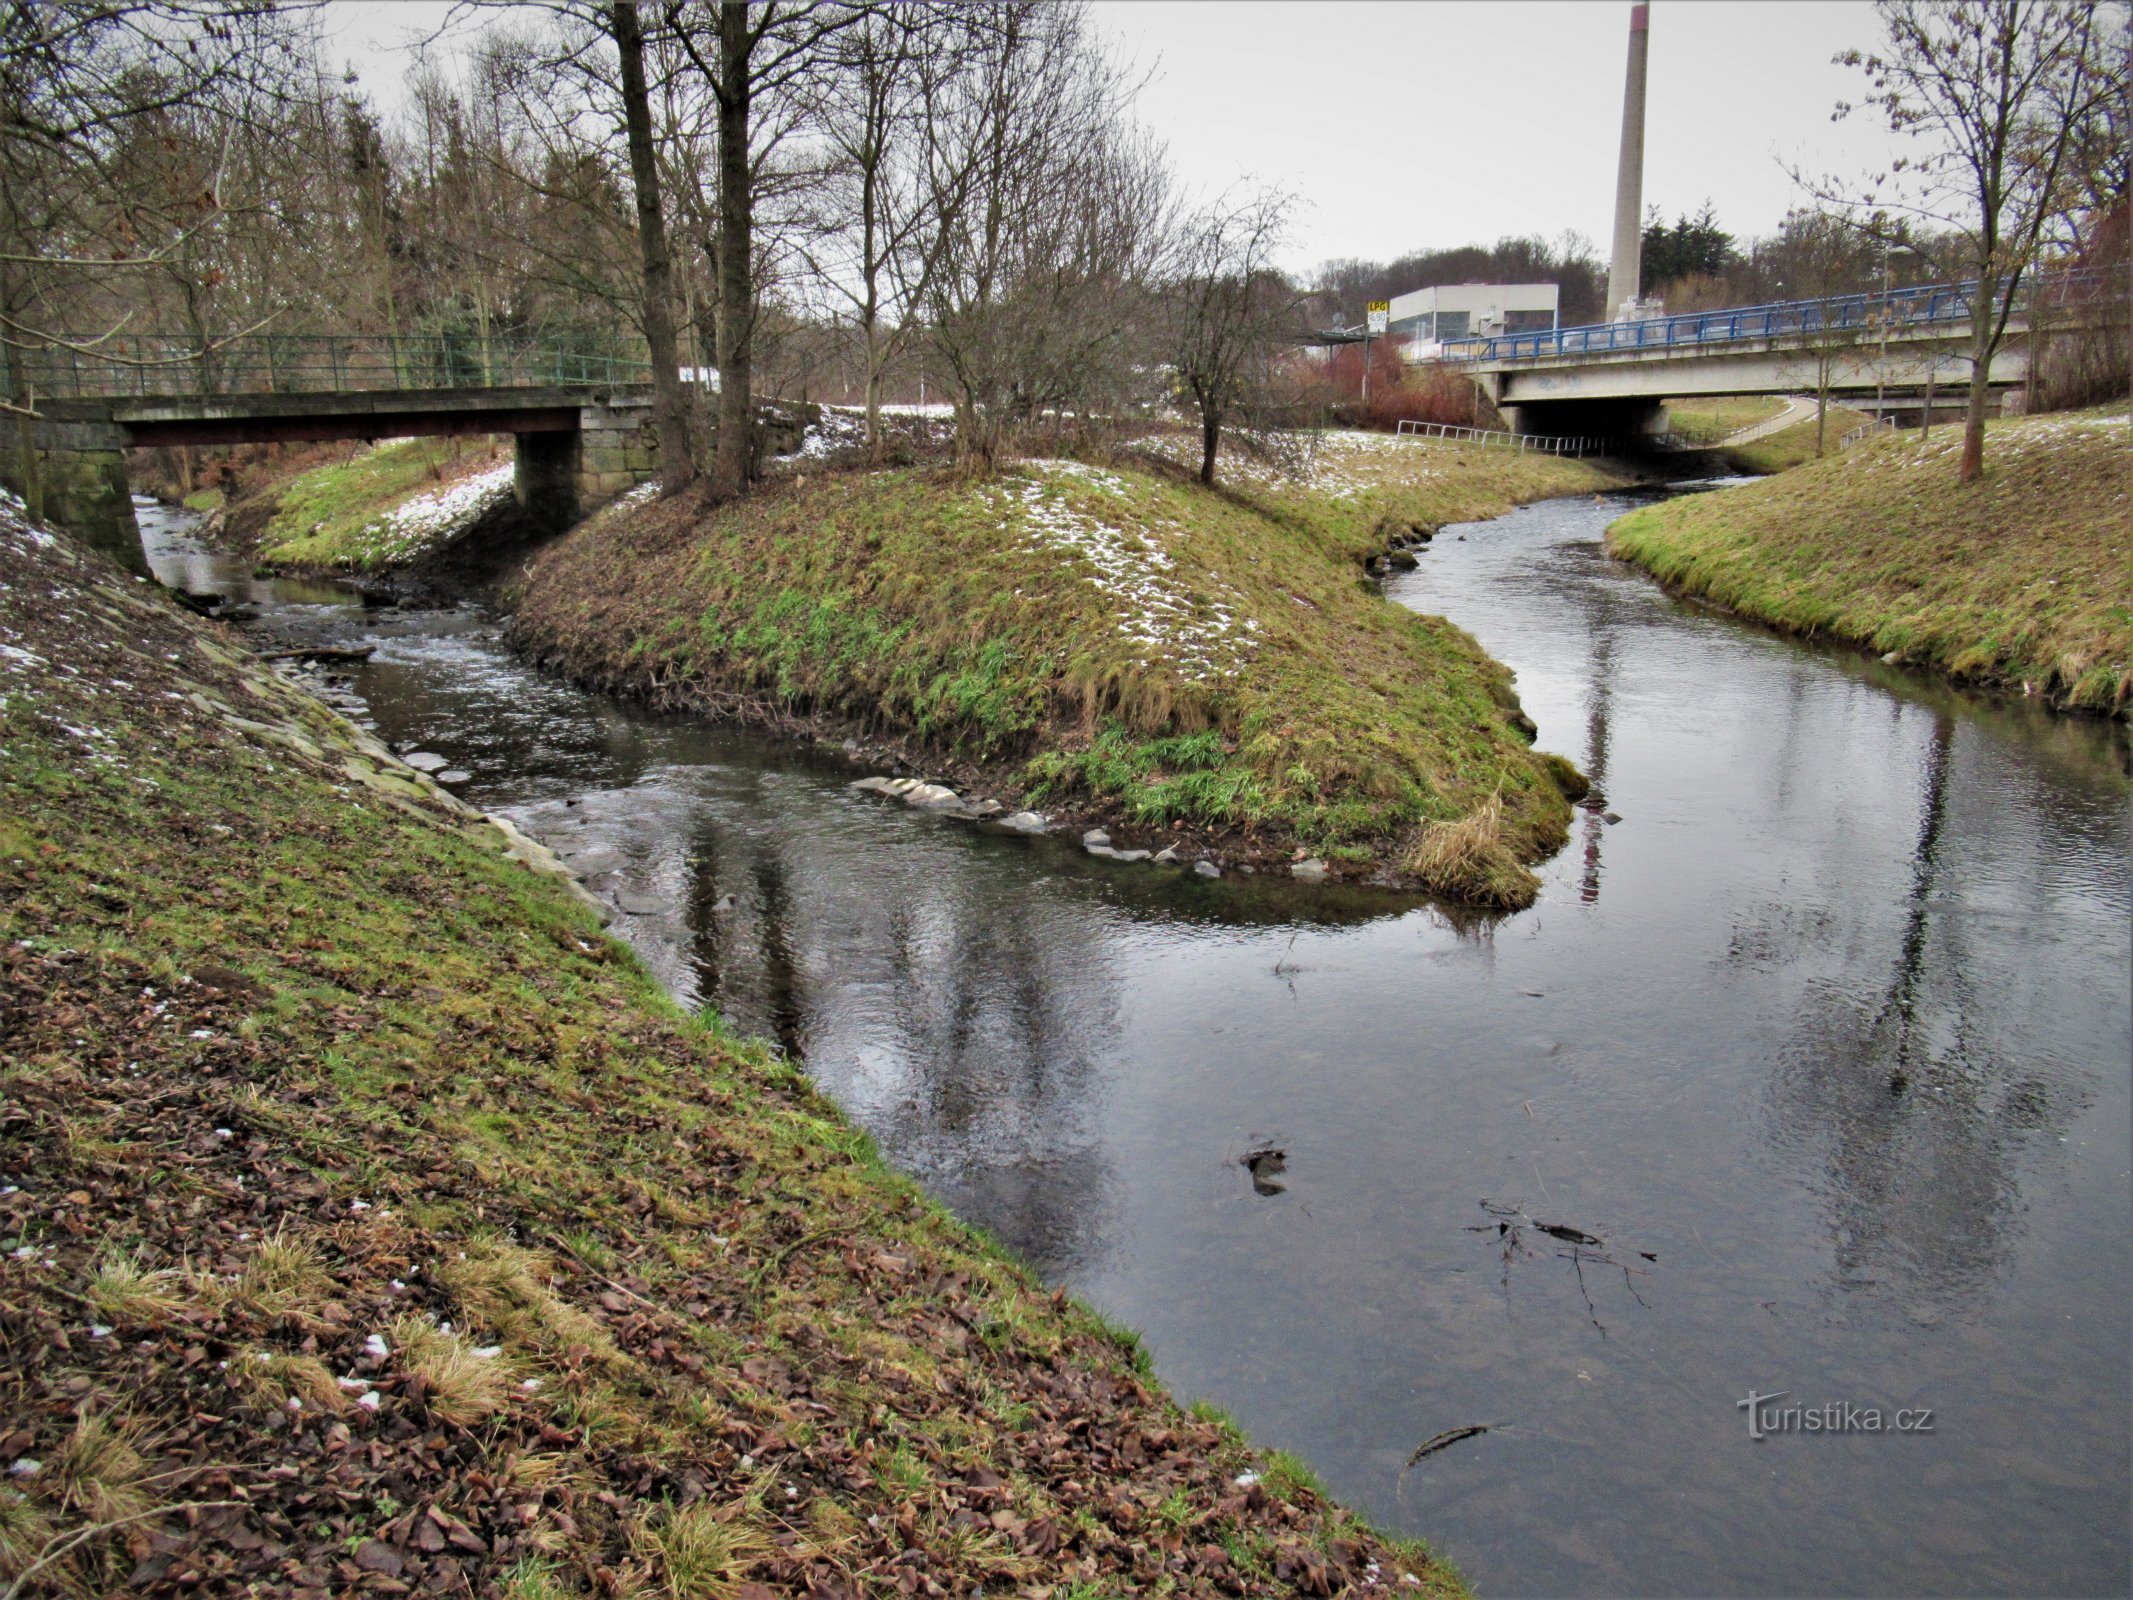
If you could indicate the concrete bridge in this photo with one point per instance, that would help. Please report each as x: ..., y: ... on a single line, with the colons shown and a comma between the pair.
x: 1613, y: 379
x: 582, y: 421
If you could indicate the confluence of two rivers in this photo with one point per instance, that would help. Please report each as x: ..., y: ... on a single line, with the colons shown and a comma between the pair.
x: 1834, y: 1023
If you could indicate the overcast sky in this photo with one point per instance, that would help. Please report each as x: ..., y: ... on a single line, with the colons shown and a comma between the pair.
x: 1406, y: 125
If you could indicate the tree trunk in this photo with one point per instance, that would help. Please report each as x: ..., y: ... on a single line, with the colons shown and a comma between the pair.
x: 30, y: 478
x: 1210, y: 443
x: 736, y: 252
x: 677, y: 463
x: 877, y: 446
x: 1981, y: 341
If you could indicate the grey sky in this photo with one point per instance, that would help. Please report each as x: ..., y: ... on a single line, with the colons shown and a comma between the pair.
x: 1407, y: 125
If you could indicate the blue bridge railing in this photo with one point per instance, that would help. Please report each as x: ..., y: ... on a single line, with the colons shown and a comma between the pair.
x: 1897, y: 311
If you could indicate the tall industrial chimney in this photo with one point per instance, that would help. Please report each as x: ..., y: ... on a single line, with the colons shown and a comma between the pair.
x: 1627, y: 266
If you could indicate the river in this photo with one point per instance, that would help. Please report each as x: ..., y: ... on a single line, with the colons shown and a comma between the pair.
x: 1825, y: 1042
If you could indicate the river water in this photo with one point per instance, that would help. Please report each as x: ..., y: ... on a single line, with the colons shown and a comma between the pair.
x: 1825, y: 1042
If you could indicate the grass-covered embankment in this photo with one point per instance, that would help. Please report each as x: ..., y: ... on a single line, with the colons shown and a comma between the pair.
x: 1207, y: 668
x: 1797, y: 445
x: 1707, y: 421
x: 372, y: 1223
x: 386, y: 506
x: 2021, y: 577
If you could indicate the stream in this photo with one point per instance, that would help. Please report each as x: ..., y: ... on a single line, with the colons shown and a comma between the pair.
x: 1824, y: 1044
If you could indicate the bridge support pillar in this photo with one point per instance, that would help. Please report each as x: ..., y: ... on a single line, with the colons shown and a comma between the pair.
x: 562, y: 475
x: 73, y: 475
x: 618, y: 448
x: 544, y: 477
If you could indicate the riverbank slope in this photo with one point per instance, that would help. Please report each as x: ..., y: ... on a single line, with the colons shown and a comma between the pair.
x: 383, y: 507
x: 1204, y: 669
x: 2017, y: 579
x: 372, y: 1223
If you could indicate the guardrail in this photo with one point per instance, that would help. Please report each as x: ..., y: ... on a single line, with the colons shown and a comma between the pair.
x: 1868, y: 315
x: 1553, y: 444
x: 148, y: 365
x: 1873, y: 425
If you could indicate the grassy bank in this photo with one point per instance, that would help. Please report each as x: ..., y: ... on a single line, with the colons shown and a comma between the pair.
x: 2019, y: 578
x: 1794, y: 446
x: 385, y: 506
x: 1203, y: 668
x: 372, y: 1222
x: 1705, y: 422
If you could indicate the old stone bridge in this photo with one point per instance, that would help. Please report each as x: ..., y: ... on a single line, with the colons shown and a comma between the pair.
x: 582, y: 419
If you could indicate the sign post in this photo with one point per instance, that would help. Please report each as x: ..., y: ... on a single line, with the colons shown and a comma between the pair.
x: 1377, y: 320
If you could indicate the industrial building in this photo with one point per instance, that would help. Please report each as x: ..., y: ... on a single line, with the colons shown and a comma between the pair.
x: 1472, y: 311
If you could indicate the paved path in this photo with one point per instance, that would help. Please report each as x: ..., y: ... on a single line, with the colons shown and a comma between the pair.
x: 1798, y: 408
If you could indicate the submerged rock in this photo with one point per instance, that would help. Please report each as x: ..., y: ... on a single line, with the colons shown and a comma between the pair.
x: 1311, y: 871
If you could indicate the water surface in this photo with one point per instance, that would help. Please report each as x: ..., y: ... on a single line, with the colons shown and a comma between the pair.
x: 1826, y: 1041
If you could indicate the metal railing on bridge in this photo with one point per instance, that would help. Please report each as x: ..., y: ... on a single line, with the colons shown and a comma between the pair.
x: 148, y: 365
x: 1896, y: 312
x: 1552, y: 444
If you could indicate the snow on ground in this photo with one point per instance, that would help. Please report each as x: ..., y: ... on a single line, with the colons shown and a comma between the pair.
x: 839, y: 429
x: 2017, y: 439
x: 1338, y: 462
x: 1198, y: 634
x: 416, y: 526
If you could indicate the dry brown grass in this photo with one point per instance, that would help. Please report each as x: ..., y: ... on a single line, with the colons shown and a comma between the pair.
x: 1471, y: 859
x: 458, y: 1385
x: 97, y: 1472
x: 504, y: 1287
x: 273, y: 1378
x: 284, y: 1277
x: 701, y: 1551
x: 126, y: 1293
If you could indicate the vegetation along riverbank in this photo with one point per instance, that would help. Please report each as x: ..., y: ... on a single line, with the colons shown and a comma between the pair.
x: 1206, y: 670
x: 2018, y: 578
x: 381, y: 507
x: 373, y: 1224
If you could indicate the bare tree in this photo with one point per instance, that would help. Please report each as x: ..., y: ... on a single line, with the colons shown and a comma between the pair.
x: 677, y: 462
x: 885, y: 231
x: 751, y: 55
x: 2002, y: 95
x: 1227, y: 312
x: 1038, y: 290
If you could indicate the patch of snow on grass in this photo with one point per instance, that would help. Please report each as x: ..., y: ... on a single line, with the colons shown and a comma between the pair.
x: 415, y: 526
x: 839, y: 429
x: 1337, y: 462
x: 1197, y: 634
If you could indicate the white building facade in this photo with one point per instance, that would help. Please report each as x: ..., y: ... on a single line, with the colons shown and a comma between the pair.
x: 1473, y: 311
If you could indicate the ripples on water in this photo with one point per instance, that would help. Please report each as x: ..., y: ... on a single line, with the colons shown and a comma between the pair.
x: 1834, y: 1023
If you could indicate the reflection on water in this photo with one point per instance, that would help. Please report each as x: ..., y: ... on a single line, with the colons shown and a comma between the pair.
x: 1833, y: 1022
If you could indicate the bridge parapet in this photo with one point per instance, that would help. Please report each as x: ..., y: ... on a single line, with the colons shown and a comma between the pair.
x: 1933, y: 311
x: 137, y: 366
